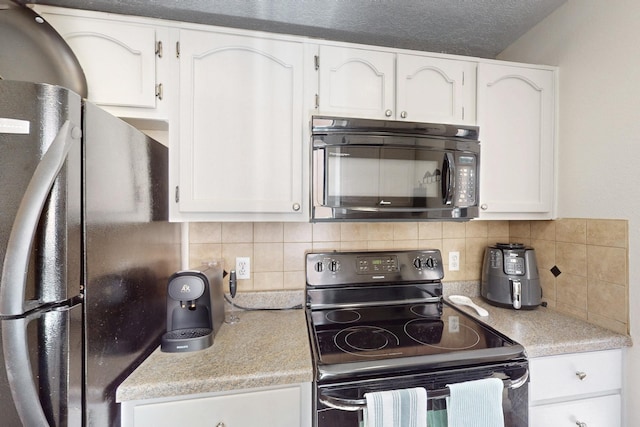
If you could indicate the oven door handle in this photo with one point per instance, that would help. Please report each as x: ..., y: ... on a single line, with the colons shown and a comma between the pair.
x: 360, y: 404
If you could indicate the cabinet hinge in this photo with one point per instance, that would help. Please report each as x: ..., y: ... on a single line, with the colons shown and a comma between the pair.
x: 159, y: 48
x: 159, y: 91
x: 316, y: 62
x: 177, y: 194
x: 462, y: 113
x: 177, y: 49
x: 463, y: 78
x: 317, y: 101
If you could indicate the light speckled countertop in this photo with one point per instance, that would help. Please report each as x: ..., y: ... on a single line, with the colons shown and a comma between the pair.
x: 544, y: 332
x: 246, y: 355
x: 266, y: 348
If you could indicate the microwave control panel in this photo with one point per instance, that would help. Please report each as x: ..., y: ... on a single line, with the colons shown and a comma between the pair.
x: 466, y: 181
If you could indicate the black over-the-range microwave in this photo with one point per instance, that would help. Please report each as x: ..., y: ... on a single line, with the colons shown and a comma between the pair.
x: 366, y: 169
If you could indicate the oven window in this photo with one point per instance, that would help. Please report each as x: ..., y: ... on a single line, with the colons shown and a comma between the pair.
x: 367, y: 176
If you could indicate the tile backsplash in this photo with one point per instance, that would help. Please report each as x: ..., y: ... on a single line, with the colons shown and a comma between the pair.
x: 591, y: 255
x: 592, y: 271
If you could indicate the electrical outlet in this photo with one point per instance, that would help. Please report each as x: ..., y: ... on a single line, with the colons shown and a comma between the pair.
x: 454, y: 261
x: 243, y: 267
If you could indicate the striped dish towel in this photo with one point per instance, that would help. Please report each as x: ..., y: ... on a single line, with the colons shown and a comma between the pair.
x: 475, y: 404
x: 396, y: 408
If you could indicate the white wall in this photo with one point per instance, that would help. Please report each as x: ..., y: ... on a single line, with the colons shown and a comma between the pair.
x: 596, y: 44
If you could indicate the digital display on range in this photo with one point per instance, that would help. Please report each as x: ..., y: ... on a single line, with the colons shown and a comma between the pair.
x: 368, y: 264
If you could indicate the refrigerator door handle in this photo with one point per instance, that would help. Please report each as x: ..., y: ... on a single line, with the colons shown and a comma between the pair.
x: 19, y: 373
x: 14, y: 270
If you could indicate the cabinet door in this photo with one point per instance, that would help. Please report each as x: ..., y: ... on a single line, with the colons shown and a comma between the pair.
x: 595, y: 412
x: 516, y: 110
x: 118, y: 58
x: 273, y: 408
x: 435, y: 90
x: 241, y: 127
x: 356, y: 82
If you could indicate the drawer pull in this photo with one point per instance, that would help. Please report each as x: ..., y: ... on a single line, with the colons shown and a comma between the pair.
x: 222, y: 425
x: 581, y: 424
x: 581, y: 375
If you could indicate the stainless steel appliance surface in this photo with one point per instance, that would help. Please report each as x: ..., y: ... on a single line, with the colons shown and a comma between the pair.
x: 377, y: 321
x: 510, y: 276
x: 31, y: 50
x: 86, y: 251
x: 365, y: 169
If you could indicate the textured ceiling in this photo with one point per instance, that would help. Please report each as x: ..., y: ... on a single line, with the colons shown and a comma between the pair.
x: 480, y: 28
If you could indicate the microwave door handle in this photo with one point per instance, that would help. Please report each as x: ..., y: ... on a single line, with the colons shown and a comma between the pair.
x: 13, y: 281
x: 448, y: 174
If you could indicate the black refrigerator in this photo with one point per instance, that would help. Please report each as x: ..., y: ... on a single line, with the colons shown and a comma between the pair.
x: 86, y: 251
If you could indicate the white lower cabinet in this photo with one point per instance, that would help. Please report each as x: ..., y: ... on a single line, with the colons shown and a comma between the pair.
x: 599, y: 411
x: 288, y: 406
x: 579, y: 389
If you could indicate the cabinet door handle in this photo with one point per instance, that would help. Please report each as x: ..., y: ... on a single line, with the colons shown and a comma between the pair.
x: 388, y: 113
x: 581, y: 375
x: 403, y: 114
x: 296, y: 207
x: 159, y: 91
x: 221, y: 424
x: 484, y: 207
x: 581, y: 424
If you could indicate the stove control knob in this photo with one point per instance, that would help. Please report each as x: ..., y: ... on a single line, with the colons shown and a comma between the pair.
x: 417, y: 263
x: 334, y: 265
x: 430, y: 262
x: 420, y: 263
x: 319, y: 267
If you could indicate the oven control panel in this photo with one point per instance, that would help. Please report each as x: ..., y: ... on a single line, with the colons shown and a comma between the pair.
x: 340, y: 268
x: 377, y: 264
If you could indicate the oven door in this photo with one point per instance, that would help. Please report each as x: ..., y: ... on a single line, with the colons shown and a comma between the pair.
x: 341, y: 405
x: 393, y: 177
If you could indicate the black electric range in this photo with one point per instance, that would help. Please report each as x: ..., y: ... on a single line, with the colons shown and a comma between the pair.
x: 374, y: 313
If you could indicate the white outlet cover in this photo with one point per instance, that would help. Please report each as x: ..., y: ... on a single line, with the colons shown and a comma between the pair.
x: 243, y: 267
x: 454, y: 261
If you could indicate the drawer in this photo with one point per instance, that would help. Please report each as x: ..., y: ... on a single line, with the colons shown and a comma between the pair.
x: 595, y: 412
x: 556, y: 377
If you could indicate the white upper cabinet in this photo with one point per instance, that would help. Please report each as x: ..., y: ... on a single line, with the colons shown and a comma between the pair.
x: 516, y: 114
x: 435, y: 90
x: 385, y: 85
x: 243, y: 145
x: 356, y: 82
x: 235, y: 107
x: 118, y: 58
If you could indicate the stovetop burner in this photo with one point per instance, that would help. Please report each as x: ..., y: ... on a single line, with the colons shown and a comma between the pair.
x: 398, y: 331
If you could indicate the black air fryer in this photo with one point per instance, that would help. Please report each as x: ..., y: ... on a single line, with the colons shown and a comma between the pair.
x: 195, y: 309
x: 510, y: 276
